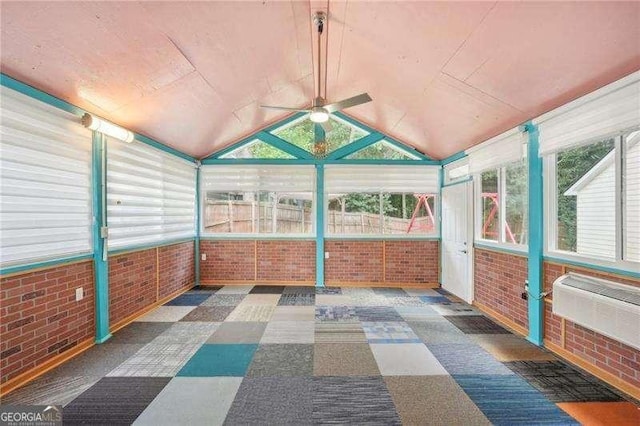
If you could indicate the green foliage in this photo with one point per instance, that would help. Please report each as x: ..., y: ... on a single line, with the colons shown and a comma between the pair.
x: 379, y: 150
x: 302, y: 134
x: 570, y: 167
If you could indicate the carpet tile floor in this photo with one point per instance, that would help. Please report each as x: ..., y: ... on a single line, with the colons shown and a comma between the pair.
x: 278, y: 355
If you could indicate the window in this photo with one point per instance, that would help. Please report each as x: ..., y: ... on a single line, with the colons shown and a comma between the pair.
x: 150, y: 195
x: 269, y: 200
x: 257, y: 149
x: 381, y: 200
x: 456, y: 171
x: 301, y: 133
x: 594, y: 200
x: 503, y: 201
x: 381, y: 150
x: 45, y: 187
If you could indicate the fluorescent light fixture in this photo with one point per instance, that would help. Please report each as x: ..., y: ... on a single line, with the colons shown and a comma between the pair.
x: 99, y: 125
x: 318, y: 115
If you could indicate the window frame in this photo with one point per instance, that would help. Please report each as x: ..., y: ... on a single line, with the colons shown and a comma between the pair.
x: 501, y: 243
x: 550, y: 215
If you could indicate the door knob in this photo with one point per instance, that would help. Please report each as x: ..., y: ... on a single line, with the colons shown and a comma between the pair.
x: 463, y: 251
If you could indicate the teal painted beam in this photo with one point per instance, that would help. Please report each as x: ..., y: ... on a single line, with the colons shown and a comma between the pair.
x: 610, y: 270
x: 232, y: 147
x: 318, y: 133
x: 237, y: 161
x: 320, y: 225
x: 385, y: 162
x: 100, y: 257
x: 355, y: 146
x: 408, y: 149
x: 198, y: 230
x: 44, y: 264
x: 536, y: 240
x: 355, y: 122
x: 285, y: 146
x: 48, y: 99
x: 293, y: 117
x: 439, y: 206
x: 454, y: 157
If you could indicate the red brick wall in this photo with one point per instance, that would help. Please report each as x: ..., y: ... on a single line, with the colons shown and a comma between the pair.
x: 354, y: 261
x: 412, y: 261
x: 132, y: 283
x: 228, y: 260
x: 614, y: 357
x: 40, y: 318
x: 176, y: 268
x: 286, y: 260
x: 499, y: 282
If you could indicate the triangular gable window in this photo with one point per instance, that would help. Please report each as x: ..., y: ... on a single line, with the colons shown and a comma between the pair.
x: 381, y: 150
x: 257, y: 149
x: 301, y: 133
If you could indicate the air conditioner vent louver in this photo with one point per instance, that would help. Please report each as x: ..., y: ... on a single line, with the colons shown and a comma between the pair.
x: 606, y: 307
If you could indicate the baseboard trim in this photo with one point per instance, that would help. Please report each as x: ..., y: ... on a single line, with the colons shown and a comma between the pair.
x: 131, y: 318
x: 595, y: 370
x: 205, y: 283
x: 338, y: 283
x: 24, y: 378
x: 501, y: 319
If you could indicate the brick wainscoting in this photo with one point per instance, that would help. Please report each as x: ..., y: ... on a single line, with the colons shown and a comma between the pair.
x: 615, y: 362
x: 40, y: 318
x: 498, y: 285
x: 140, y: 279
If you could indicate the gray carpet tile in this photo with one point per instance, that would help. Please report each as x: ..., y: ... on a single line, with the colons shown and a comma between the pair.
x: 96, y: 361
x: 139, y: 332
x: 50, y: 390
x: 417, y: 313
x: 467, y: 358
x: 224, y: 300
x: 336, y: 313
x: 297, y: 299
x: 267, y: 289
x: 438, y: 330
x: 288, y: 332
x: 272, y: 401
x: 433, y: 400
x: 328, y: 290
x: 344, y: 359
x: 253, y: 313
x: 337, y: 332
x: 353, y: 400
x: 456, y: 309
x: 209, y: 314
x: 235, y: 289
x: 282, y: 360
x: 406, y: 301
x: 187, y: 332
x: 294, y: 313
x: 476, y: 324
x: 377, y: 313
x: 389, y: 332
x: 299, y: 290
x: 114, y: 400
x: 238, y: 332
x: 157, y: 360
x: 390, y: 292
x: 205, y: 289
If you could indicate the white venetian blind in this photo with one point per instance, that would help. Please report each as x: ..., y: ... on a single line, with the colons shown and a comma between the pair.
x: 45, y: 182
x: 258, y: 178
x: 382, y: 178
x: 497, y: 151
x: 608, y: 111
x: 150, y: 195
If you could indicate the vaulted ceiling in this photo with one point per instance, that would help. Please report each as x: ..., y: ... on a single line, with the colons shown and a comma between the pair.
x: 443, y: 75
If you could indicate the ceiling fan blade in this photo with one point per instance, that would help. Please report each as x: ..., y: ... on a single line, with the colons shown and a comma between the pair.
x: 284, y: 108
x: 327, y: 126
x: 362, y: 98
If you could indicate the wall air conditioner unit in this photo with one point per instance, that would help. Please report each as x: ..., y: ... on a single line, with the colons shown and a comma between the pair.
x: 603, y: 306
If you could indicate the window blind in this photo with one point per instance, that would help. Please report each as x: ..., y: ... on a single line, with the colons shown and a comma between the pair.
x: 258, y: 178
x: 497, y: 151
x: 150, y: 195
x: 45, y: 188
x: 382, y: 178
x: 608, y: 111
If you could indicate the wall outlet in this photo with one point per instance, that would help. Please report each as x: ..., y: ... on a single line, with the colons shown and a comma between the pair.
x: 326, y: 254
x: 524, y: 296
x: 204, y: 256
x: 79, y: 294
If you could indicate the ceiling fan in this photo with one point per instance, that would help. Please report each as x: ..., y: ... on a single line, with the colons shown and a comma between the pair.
x: 320, y: 110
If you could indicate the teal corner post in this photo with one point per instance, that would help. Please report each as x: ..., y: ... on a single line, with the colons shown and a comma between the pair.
x: 439, y: 206
x: 100, y: 255
x: 319, y: 136
x: 536, y: 238
x: 198, y: 218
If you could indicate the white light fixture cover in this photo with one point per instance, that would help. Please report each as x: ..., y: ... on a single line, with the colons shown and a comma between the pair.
x: 99, y: 125
x: 318, y: 115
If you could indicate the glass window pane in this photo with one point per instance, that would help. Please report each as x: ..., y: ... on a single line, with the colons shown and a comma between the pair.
x: 631, y: 183
x: 354, y: 214
x: 381, y: 150
x: 302, y: 134
x: 257, y: 149
x: 516, y: 199
x: 409, y: 213
x: 230, y: 212
x: 490, y: 225
x: 585, y: 179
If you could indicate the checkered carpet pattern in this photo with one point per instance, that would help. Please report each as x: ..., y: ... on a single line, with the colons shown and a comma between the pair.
x: 275, y: 355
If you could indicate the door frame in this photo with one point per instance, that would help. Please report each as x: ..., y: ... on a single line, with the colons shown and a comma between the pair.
x: 469, y: 183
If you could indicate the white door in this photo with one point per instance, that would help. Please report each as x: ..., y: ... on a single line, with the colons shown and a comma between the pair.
x: 457, y: 240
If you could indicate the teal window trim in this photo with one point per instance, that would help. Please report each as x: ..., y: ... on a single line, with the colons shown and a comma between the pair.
x: 355, y: 146
x: 198, y: 230
x: 285, y: 146
x: 140, y: 247
x: 44, y: 264
x: 320, y: 227
x: 458, y: 182
x: 385, y: 162
x: 381, y: 237
x: 231, y: 148
x: 256, y: 237
x: 507, y: 250
x: 406, y: 148
x: 238, y: 161
x: 455, y: 157
x: 591, y: 266
x: 275, y: 126
x: 48, y: 99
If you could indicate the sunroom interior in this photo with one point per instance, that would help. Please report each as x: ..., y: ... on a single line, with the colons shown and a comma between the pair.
x: 194, y: 229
